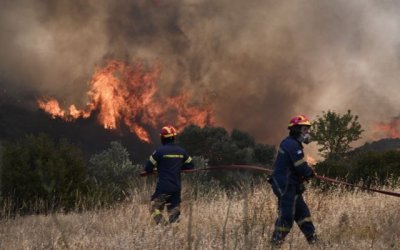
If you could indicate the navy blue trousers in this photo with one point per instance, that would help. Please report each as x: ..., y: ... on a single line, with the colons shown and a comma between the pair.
x: 291, y: 207
x: 169, y: 199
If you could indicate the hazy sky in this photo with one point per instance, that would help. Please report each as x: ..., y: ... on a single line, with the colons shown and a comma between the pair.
x: 259, y: 62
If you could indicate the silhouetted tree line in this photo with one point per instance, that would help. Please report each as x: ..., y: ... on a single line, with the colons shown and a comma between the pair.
x: 220, y: 147
x: 216, y: 146
x: 87, y: 134
x: 40, y: 173
x: 43, y: 174
x: 368, y: 167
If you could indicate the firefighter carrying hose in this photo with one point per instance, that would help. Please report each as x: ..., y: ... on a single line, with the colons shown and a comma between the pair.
x: 290, y: 171
x: 168, y: 160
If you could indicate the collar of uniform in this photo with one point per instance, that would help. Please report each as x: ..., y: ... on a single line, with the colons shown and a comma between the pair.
x: 169, y: 143
x: 296, y: 139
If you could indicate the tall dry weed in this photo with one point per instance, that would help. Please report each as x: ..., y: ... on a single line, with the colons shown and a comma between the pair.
x: 216, y: 219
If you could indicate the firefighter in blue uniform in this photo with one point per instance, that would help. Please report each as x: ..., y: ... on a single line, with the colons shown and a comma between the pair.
x: 290, y: 171
x: 168, y: 160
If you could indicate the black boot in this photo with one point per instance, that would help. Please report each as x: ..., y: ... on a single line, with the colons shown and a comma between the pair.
x: 312, y: 239
x: 277, y: 239
x: 276, y: 243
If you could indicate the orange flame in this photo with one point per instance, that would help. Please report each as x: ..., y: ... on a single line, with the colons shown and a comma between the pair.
x: 141, y: 132
x: 390, y: 129
x: 127, y: 93
x: 52, y: 107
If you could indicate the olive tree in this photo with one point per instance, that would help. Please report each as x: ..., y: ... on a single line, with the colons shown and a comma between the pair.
x: 334, y: 133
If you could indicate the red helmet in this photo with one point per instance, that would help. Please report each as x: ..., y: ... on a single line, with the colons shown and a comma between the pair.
x: 299, y: 120
x: 168, y: 131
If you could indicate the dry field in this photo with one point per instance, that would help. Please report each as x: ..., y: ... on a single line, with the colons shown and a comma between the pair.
x: 344, y: 220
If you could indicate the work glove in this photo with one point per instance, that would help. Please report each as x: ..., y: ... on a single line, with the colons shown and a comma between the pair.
x: 307, y: 178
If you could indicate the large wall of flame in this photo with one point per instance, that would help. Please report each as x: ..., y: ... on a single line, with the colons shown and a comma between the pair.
x: 259, y: 61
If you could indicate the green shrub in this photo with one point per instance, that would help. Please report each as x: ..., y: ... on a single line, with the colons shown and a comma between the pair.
x: 334, y: 168
x: 264, y: 154
x: 111, y: 172
x: 371, y: 168
x: 377, y: 167
x: 36, y: 170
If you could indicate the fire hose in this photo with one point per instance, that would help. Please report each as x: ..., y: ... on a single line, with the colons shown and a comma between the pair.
x: 269, y: 171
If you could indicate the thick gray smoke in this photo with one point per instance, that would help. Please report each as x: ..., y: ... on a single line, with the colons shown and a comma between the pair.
x: 259, y: 62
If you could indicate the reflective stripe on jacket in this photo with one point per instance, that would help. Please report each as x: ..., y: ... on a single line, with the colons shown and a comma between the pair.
x: 169, y: 160
x: 290, y: 166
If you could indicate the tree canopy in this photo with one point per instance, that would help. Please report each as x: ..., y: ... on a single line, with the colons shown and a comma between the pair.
x: 220, y: 147
x: 334, y: 133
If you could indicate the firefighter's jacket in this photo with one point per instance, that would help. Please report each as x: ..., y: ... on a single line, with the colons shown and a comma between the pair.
x: 169, y: 160
x: 290, y: 167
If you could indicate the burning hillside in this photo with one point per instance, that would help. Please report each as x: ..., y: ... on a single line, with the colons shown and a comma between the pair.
x: 390, y: 129
x: 124, y: 93
x: 279, y: 59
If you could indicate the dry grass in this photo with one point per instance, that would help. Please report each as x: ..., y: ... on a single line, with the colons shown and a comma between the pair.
x: 344, y: 220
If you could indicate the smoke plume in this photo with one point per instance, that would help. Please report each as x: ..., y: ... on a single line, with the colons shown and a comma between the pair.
x: 257, y: 62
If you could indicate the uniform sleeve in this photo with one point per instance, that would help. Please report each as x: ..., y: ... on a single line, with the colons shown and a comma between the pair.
x: 300, y: 164
x: 187, y: 162
x: 152, y: 163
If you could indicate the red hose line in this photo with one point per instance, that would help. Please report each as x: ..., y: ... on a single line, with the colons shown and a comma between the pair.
x: 269, y: 171
x: 327, y: 179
